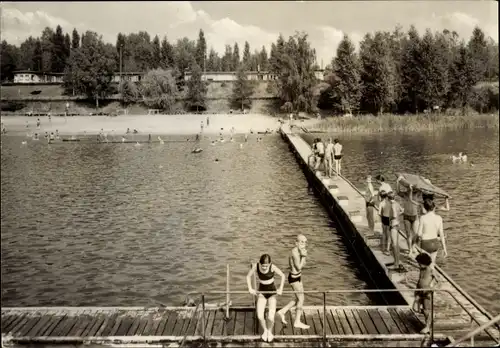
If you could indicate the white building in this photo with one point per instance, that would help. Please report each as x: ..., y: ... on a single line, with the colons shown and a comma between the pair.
x: 28, y: 76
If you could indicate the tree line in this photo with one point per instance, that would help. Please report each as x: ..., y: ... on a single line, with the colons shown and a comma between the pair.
x: 392, y: 72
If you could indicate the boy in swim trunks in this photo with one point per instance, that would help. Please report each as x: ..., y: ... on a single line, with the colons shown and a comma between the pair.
x: 384, y: 210
x: 395, y: 212
x: 410, y: 216
x: 320, y: 153
x: 297, y: 260
x: 337, y: 155
x: 329, y: 158
x: 426, y: 280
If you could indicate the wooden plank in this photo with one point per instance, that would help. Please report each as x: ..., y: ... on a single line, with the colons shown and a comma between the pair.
x: 108, y: 324
x: 248, y: 326
x: 144, y: 322
x: 68, y: 325
x: 156, y: 323
x: 218, y: 323
x: 14, y: 325
x: 331, y: 327
x: 209, y: 323
x: 151, y: 325
x: 135, y: 324
x: 191, y: 329
x: 80, y: 325
x: 401, y: 325
x: 125, y: 325
x: 411, y: 321
x: 94, y: 325
x: 388, y: 321
x: 289, y: 327
x: 117, y: 324
x: 343, y: 321
x: 362, y: 327
x: 169, y: 326
x: 352, y: 322
x: 39, y: 326
x: 336, y: 320
x: 239, y: 323
x: 367, y: 322
x: 53, y: 323
x: 6, y: 320
x: 317, y: 321
x: 377, y: 320
x: 230, y: 324
x: 161, y: 324
x: 35, y: 318
x: 176, y: 331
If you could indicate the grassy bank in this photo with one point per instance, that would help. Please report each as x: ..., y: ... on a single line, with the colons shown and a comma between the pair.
x: 406, y: 123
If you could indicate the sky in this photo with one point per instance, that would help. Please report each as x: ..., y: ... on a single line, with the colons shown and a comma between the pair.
x: 258, y: 22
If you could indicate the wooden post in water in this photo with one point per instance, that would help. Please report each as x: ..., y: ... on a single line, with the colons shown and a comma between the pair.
x: 255, y: 322
x: 227, y: 292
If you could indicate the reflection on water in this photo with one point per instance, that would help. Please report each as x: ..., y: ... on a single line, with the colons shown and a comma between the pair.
x: 118, y: 224
x: 472, y: 225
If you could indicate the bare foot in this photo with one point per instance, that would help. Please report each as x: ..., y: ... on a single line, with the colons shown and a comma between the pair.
x: 300, y: 325
x: 425, y: 330
x: 264, y: 336
x: 270, y: 336
x: 282, y: 317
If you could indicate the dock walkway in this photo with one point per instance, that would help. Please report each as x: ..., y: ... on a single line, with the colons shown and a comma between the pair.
x: 455, y: 312
x: 100, y: 325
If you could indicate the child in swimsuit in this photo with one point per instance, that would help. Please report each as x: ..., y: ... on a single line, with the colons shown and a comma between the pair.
x: 426, y: 280
x: 384, y: 210
x: 395, y: 213
x: 265, y: 277
x: 297, y: 260
x: 430, y: 231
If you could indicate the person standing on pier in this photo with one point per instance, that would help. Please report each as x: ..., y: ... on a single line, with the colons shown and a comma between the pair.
x: 395, y: 213
x: 320, y: 154
x: 384, y: 210
x: 430, y: 231
x: 267, y: 293
x: 329, y: 158
x: 337, y: 155
x: 297, y: 261
x: 370, y: 204
x: 410, y: 216
x: 426, y: 280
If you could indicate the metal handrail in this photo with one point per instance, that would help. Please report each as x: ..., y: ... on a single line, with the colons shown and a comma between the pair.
x: 324, y: 292
x: 474, y: 332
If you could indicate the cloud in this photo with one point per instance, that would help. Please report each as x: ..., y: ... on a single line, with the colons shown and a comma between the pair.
x: 16, y: 26
x: 460, y: 22
x: 328, y: 40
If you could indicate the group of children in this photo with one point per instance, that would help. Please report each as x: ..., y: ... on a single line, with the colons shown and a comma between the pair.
x: 326, y: 155
x: 422, y: 225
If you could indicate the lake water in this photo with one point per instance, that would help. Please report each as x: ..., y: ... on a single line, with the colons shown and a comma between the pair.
x: 116, y: 224
x: 89, y: 224
x: 472, y: 225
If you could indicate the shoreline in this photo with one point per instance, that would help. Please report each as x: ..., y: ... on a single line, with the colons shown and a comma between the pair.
x: 189, y: 124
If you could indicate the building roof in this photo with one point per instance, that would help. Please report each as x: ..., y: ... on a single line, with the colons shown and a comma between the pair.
x: 36, y: 72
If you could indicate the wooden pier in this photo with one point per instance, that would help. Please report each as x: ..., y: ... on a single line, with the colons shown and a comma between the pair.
x: 188, y: 325
x: 455, y: 312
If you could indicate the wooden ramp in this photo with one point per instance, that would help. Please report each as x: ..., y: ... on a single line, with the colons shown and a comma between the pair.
x: 106, y: 325
x: 456, y: 312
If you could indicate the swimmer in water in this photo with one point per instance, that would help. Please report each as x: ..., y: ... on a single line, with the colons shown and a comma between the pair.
x: 265, y: 277
x: 296, y: 261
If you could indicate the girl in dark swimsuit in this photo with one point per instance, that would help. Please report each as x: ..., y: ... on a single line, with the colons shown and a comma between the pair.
x: 265, y: 277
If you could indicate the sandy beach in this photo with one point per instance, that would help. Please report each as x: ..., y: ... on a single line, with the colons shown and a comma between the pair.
x: 145, y: 124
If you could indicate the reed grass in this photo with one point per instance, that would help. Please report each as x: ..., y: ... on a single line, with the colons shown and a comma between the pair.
x: 406, y: 123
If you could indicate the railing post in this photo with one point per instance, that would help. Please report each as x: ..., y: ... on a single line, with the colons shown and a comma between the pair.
x: 203, y: 318
x: 324, y: 319
x: 227, y: 294
x: 432, y: 316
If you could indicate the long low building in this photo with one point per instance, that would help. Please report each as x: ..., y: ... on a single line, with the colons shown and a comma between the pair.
x: 38, y: 77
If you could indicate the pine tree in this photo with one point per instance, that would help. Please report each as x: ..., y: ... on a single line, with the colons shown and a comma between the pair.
x: 75, y: 39
x: 197, y: 89
x: 246, y: 55
x: 242, y: 90
x: 346, y: 85
x: 201, y: 50
x: 236, y: 57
